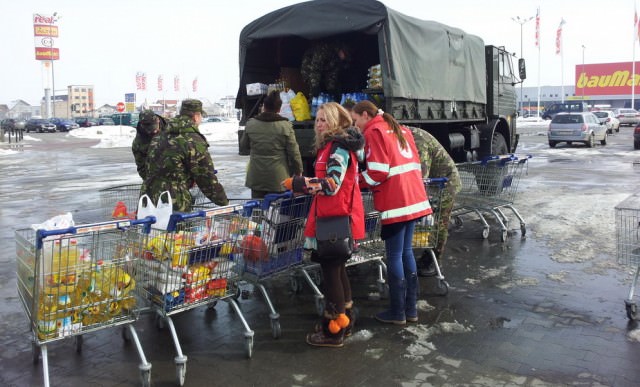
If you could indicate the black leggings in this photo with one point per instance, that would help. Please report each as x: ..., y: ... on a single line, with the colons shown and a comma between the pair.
x: 336, y: 286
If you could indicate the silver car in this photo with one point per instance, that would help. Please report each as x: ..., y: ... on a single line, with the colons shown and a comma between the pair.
x: 629, y: 117
x: 609, y: 119
x: 577, y: 127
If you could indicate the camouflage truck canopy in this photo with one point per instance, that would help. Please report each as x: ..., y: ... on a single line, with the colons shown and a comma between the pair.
x: 420, y: 59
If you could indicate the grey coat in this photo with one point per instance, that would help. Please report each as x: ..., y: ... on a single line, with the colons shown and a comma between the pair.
x: 273, y: 152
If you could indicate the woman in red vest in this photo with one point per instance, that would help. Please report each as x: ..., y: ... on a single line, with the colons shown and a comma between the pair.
x: 337, y: 193
x: 393, y: 174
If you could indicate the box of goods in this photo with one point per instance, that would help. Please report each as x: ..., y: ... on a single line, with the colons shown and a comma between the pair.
x: 256, y: 88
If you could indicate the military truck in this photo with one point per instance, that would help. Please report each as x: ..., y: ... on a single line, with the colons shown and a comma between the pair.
x: 433, y: 76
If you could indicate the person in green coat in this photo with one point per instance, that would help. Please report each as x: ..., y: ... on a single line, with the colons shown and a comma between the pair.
x: 179, y: 158
x: 435, y: 161
x: 273, y: 150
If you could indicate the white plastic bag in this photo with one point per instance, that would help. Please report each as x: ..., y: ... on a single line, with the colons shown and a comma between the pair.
x: 145, y: 207
x: 58, y: 222
x: 161, y: 210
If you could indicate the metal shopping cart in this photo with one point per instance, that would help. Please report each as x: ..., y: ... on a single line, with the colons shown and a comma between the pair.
x: 81, y: 279
x: 369, y: 250
x: 489, y: 186
x: 425, y: 235
x: 193, y: 264
x: 274, y: 248
x: 121, y: 201
x: 628, y: 244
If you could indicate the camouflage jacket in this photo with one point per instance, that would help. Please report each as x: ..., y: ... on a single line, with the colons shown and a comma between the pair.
x: 178, y: 158
x: 435, y: 160
x: 140, y: 146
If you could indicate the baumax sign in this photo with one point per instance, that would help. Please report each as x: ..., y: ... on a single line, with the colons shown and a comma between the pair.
x: 607, y: 78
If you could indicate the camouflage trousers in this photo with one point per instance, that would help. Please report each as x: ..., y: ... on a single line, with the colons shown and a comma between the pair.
x: 446, y: 206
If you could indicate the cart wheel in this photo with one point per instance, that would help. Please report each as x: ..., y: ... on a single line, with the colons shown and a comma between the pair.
x: 78, y: 343
x: 316, y: 277
x: 320, y: 305
x: 523, y: 230
x: 275, y: 328
x: 485, y: 233
x: 443, y: 288
x: 145, y: 378
x: 159, y: 322
x: 457, y: 221
x: 383, y: 289
x: 296, y: 285
x: 632, y: 310
x: 212, y: 304
x: 248, y: 344
x: 236, y: 295
x: 35, y: 352
x: 126, y: 334
x: 504, y: 236
x: 181, y: 373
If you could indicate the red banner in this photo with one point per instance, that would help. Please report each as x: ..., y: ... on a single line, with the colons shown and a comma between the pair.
x: 606, y: 78
x: 47, y: 53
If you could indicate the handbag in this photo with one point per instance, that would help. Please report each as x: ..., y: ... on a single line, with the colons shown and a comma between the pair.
x: 333, y: 235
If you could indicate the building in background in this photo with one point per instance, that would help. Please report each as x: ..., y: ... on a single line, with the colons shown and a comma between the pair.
x: 81, y: 101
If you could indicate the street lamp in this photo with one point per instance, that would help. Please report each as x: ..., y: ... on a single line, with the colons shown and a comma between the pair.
x: 56, y: 17
x: 521, y: 21
x: 583, y: 47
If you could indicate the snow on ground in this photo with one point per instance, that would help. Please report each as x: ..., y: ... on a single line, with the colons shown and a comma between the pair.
x: 117, y: 136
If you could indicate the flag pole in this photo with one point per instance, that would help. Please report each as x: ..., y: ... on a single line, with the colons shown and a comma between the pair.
x: 539, y: 41
x: 633, y: 62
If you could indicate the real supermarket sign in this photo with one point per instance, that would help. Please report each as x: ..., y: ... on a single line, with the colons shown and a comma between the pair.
x: 607, y: 78
x: 45, y: 33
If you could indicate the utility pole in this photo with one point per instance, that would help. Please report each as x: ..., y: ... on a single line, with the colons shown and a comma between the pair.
x: 583, y: 47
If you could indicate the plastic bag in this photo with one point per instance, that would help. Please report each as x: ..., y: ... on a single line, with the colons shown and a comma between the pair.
x: 161, y: 210
x: 285, y: 110
x: 300, y: 107
x: 58, y: 222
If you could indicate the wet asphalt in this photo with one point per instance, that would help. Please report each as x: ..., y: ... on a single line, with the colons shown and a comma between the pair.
x: 546, y: 309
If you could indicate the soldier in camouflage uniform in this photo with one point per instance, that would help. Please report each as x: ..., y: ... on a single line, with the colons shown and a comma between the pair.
x: 179, y: 158
x: 322, y: 65
x: 149, y: 124
x: 436, y: 162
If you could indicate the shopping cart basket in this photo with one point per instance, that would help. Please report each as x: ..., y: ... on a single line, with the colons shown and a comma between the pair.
x: 425, y: 234
x: 628, y: 244
x: 274, y: 248
x: 79, y: 280
x: 489, y: 186
x: 191, y: 264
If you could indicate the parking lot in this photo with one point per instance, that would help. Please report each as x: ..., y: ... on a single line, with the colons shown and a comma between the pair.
x: 544, y: 310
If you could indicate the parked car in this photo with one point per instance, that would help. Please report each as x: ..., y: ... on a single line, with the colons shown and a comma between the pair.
x: 39, y: 125
x: 636, y: 137
x: 64, y: 124
x: 105, y: 121
x: 130, y: 119
x: 627, y: 116
x: 609, y: 119
x: 576, y: 127
x: 567, y: 107
x: 84, y: 122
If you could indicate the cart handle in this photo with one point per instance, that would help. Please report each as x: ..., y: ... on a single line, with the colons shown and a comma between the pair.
x: 41, y: 234
x: 181, y: 216
x: 270, y: 198
x: 441, y: 181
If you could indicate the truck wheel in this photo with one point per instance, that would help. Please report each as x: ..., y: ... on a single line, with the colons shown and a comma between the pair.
x: 498, y: 145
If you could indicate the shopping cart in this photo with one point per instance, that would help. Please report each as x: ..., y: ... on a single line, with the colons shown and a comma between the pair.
x: 369, y: 250
x: 490, y: 186
x: 425, y: 234
x: 274, y: 248
x: 81, y: 279
x: 628, y: 244
x: 121, y: 201
x: 192, y: 264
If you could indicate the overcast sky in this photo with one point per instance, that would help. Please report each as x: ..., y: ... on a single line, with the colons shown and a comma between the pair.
x: 105, y: 43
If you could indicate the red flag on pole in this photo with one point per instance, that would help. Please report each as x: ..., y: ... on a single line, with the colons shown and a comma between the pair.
x: 159, y: 82
x: 141, y: 81
x: 559, y: 37
x: 176, y: 83
x: 538, y: 27
x: 195, y: 84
